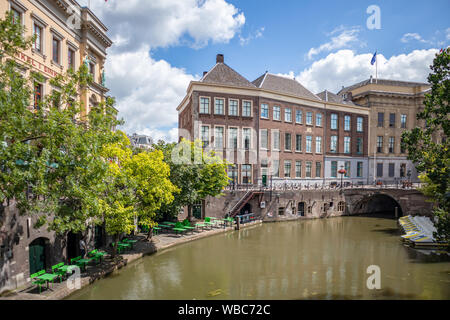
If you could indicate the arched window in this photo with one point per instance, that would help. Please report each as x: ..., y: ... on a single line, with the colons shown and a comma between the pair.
x: 341, y: 206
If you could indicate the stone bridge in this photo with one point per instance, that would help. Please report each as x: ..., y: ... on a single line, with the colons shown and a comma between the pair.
x: 385, y: 200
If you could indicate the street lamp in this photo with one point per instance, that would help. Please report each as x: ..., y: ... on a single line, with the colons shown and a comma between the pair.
x: 342, y: 172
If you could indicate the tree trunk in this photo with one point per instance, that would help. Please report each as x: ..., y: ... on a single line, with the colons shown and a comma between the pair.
x: 116, y: 240
x: 189, y: 217
x: 150, y: 233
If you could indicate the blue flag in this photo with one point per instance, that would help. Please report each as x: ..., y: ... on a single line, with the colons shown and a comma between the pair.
x: 374, y: 58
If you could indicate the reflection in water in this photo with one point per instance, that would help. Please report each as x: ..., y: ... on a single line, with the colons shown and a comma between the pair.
x: 309, y: 259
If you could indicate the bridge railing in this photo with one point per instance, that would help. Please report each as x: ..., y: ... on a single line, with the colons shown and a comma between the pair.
x: 281, y: 186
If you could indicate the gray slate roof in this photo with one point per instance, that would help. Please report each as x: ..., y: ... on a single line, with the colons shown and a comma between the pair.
x: 223, y: 74
x: 382, y: 81
x: 283, y: 85
x: 331, y: 97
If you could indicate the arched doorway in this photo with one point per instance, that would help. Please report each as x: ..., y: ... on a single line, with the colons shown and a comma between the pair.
x: 381, y: 205
x: 301, y: 209
x: 73, y: 248
x: 38, y: 252
x: 246, y: 209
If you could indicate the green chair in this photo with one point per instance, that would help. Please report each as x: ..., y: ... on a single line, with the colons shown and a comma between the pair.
x: 208, y: 222
x: 38, y: 282
x: 93, y: 255
x: 55, y: 270
x: 187, y: 225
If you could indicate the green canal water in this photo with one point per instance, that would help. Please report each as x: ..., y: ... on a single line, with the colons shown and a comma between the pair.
x: 306, y: 259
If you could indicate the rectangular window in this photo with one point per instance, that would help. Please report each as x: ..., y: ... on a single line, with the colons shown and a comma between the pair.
x: 318, y: 119
x: 298, y: 142
x: 391, y: 144
x: 391, y: 120
x: 246, y: 134
x: 205, y: 136
x: 276, y: 139
x: 264, y: 139
x: 218, y: 138
x: 37, y: 44
x: 379, y: 170
x: 359, y: 145
x: 403, y: 120
x: 318, y: 144
x: 287, y: 141
x: 308, y: 169
x: 219, y: 106
x: 232, y: 138
x: 233, y: 107
x: 204, y: 105
x: 333, y: 144
x: 17, y: 16
x: 264, y: 111
x: 347, y: 144
x: 379, y: 144
x: 298, y: 169
x: 391, y: 170
x: 287, y: 169
x: 233, y: 174
x: 287, y: 115
x: 71, y: 58
x: 246, y: 108
x: 402, y: 146
x: 403, y: 170
x: 309, y: 118
x: 318, y: 169
x: 298, y: 116
x: 347, y: 121
x: 246, y: 173
x: 359, y: 124
x: 276, y: 168
x: 37, y: 95
x: 309, y: 144
x: 55, y: 50
x: 334, y: 169
x: 380, y: 119
x: 359, y: 169
x: 334, y: 121
x: 276, y: 113
x: 347, y: 169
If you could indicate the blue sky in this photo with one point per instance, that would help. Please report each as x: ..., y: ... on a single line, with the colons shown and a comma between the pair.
x: 161, y: 45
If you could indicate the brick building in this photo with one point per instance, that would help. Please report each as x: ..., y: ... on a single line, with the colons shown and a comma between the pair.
x: 62, y: 42
x: 273, y: 127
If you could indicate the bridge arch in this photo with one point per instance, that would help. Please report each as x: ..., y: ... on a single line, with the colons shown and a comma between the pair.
x: 377, y: 204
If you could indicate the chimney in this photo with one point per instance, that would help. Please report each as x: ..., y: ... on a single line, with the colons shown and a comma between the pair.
x: 219, y: 58
x: 204, y: 73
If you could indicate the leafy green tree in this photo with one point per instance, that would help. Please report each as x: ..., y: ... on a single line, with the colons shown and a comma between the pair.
x: 429, y: 147
x: 196, y: 174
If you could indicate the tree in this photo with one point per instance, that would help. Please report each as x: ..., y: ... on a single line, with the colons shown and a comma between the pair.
x: 136, y: 186
x: 429, y: 147
x: 196, y: 173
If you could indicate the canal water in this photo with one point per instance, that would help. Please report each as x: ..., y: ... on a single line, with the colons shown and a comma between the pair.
x: 306, y: 259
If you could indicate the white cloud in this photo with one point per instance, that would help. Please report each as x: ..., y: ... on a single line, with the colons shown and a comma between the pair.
x: 346, y: 37
x: 257, y: 34
x: 412, y: 36
x: 161, y: 23
x: 344, y: 68
x: 148, y: 90
x: 447, y: 32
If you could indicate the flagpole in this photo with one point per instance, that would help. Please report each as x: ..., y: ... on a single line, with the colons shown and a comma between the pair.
x: 376, y: 69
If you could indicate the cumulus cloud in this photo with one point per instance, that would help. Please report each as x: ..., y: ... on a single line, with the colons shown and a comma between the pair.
x: 412, y: 36
x: 162, y: 23
x: 148, y: 90
x: 345, y: 37
x: 344, y: 68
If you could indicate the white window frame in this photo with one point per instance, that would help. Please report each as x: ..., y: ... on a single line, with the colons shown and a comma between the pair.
x: 331, y: 121
x: 349, y: 123
x: 200, y: 105
x: 237, y: 110
x: 224, y: 137
x: 349, y: 139
x: 279, y: 113
x: 301, y: 116
x: 321, y: 119
x: 306, y: 144
x: 229, y: 144
x: 219, y: 98
x: 312, y: 118
x: 251, y: 108
x: 331, y: 144
x: 319, y: 138
x: 362, y: 124
x: 260, y: 139
x: 285, y: 114
x: 243, y: 138
x: 274, y: 132
x: 40, y: 23
x: 209, y: 133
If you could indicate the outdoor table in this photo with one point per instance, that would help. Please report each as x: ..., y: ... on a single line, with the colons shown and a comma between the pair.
x: 67, y: 268
x: 100, y: 255
x: 48, y: 277
x: 84, y: 262
x: 131, y: 242
x: 166, y: 226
